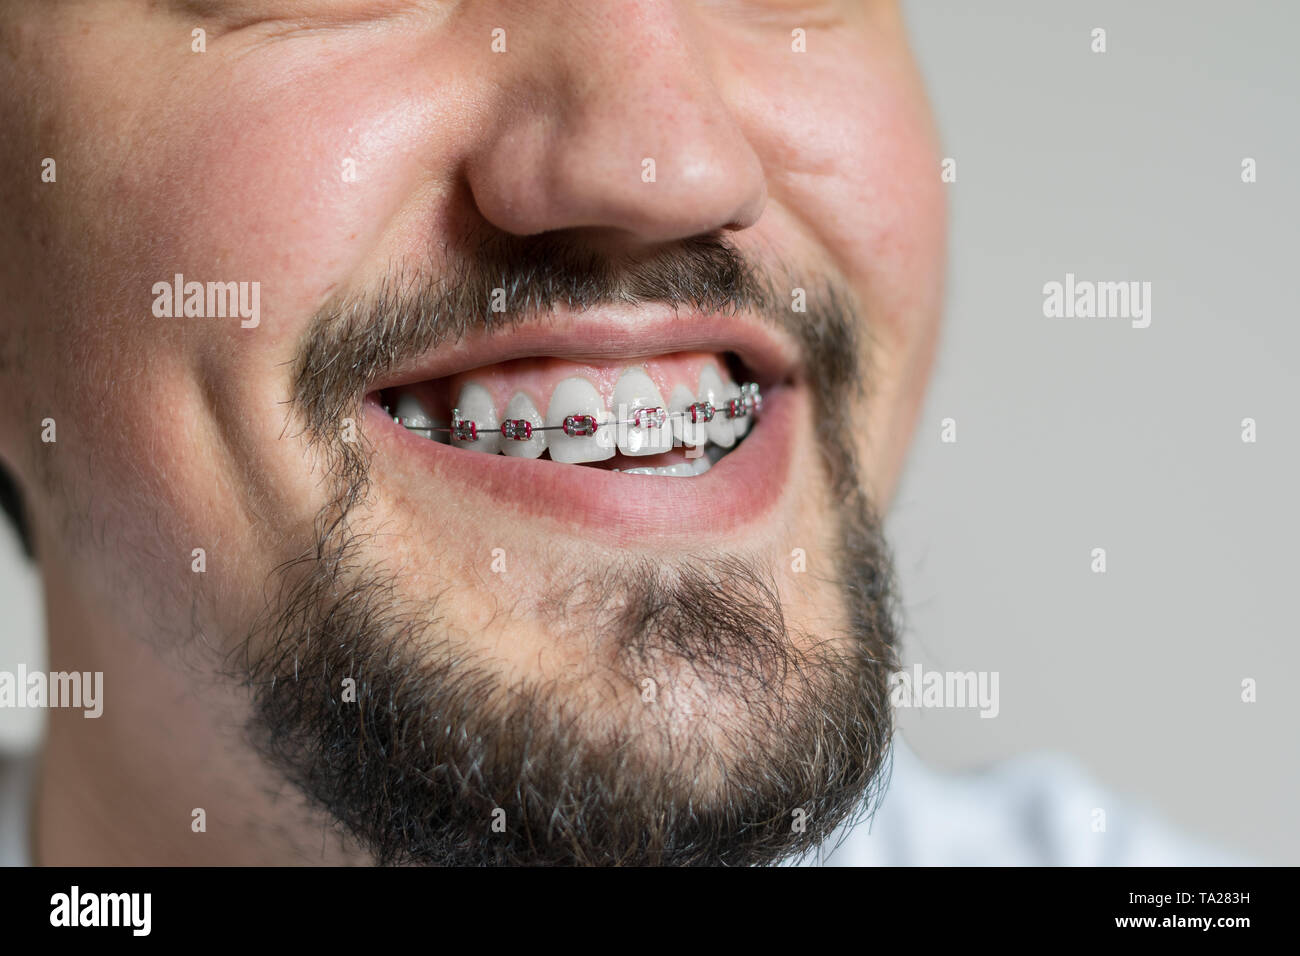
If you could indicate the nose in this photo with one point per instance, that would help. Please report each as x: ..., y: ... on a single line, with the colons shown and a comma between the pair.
x: 609, y: 118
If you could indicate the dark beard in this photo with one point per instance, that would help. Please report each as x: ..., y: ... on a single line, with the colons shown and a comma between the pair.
x: 420, y: 767
x: 438, y: 761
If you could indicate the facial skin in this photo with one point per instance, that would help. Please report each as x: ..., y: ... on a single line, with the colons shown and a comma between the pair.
x: 477, y: 689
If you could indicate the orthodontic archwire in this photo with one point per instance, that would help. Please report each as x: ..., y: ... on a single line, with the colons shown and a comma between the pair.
x: 750, y: 402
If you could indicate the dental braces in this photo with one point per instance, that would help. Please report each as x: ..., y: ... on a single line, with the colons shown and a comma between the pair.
x: 750, y: 402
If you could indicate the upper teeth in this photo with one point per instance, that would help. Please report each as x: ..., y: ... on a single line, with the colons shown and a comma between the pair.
x: 574, y: 418
x: 578, y: 427
x: 634, y: 393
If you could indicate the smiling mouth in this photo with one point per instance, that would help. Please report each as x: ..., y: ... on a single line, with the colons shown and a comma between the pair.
x: 674, y: 415
x: 593, y: 372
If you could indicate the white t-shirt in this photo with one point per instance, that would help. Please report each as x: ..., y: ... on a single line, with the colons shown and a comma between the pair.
x: 1029, y: 811
x: 1035, y: 810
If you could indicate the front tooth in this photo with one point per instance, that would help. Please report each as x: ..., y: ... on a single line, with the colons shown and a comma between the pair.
x: 412, y: 414
x: 701, y: 465
x: 721, y: 431
x: 577, y: 396
x: 684, y: 430
x: 635, y: 390
x: 739, y: 425
x: 521, y: 406
x: 475, y: 403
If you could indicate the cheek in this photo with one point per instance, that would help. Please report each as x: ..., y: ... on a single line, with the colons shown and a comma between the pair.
x: 242, y: 180
x: 898, y: 260
x: 896, y: 256
x: 875, y: 199
x: 244, y: 185
x: 853, y: 159
x: 283, y: 162
x: 846, y: 138
x: 893, y: 225
x: 289, y: 177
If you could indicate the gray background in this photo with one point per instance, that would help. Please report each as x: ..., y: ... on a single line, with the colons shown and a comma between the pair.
x: 1082, y: 433
x: 1075, y: 434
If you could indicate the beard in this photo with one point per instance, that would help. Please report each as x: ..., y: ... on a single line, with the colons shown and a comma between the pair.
x: 739, y: 739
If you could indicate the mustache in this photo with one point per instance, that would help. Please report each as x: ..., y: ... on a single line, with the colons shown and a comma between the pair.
x: 356, y: 338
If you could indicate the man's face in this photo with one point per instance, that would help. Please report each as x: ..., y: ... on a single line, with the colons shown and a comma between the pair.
x: 517, y: 210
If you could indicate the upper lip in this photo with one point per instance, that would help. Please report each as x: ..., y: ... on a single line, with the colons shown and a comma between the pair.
x: 616, y: 333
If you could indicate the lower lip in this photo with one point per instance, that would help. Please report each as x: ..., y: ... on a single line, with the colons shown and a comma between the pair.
x: 739, y: 490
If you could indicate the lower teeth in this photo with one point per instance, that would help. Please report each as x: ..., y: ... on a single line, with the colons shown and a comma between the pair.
x: 684, y: 469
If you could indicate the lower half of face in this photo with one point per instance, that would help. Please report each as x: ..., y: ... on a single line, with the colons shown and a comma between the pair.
x: 587, y: 622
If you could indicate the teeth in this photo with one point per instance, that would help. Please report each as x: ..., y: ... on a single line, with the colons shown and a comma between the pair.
x: 577, y: 396
x: 412, y: 414
x: 522, y: 407
x: 684, y: 430
x: 739, y: 425
x: 721, y: 431
x: 576, y: 402
x: 475, y: 404
x: 635, y: 390
x: 684, y: 469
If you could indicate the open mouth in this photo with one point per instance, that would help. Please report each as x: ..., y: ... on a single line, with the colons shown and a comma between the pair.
x: 533, y: 425
x: 674, y: 415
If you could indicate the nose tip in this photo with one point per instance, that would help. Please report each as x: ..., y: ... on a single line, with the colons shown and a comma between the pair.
x: 717, y: 191
x: 684, y: 187
x: 617, y: 133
